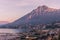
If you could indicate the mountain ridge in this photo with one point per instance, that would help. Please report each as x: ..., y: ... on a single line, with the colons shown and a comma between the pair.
x: 3, y: 22
x: 40, y: 15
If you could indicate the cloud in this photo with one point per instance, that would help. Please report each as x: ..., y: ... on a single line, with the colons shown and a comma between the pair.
x: 19, y: 8
x: 21, y: 4
x: 27, y: 3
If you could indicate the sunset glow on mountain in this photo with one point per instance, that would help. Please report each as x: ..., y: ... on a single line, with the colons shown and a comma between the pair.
x: 10, y: 10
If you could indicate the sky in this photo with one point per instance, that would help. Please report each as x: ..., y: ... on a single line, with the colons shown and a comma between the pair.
x: 11, y: 10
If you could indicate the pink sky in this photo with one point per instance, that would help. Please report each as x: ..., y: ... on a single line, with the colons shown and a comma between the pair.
x: 11, y: 10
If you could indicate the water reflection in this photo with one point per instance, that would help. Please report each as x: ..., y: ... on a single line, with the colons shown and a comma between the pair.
x: 9, y: 34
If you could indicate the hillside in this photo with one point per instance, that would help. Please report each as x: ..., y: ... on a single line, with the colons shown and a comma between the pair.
x: 40, y: 15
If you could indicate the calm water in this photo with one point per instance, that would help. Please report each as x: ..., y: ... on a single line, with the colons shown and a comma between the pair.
x: 4, y: 30
x: 7, y: 34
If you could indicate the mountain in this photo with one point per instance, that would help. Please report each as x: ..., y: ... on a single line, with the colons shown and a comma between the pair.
x: 40, y: 15
x: 3, y: 22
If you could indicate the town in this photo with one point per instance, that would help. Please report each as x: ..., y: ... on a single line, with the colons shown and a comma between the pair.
x: 48, y: 32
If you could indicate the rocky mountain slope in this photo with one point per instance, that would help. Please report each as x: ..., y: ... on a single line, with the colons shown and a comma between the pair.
x: 40, y: 15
